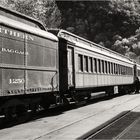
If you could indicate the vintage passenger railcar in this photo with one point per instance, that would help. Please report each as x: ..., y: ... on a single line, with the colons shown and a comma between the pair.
x: 28, y: 64
x: 86, y: 67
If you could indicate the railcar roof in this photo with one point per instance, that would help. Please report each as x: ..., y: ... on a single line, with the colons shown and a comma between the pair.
x: 22, y: 16
x: 138, y: 65
x: 27, y: 28
x: 86, y: 44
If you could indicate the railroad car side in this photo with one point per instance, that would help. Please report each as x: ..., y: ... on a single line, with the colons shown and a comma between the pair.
x: 90, y: 67
x: 101, y: 69
x: 28, y: 66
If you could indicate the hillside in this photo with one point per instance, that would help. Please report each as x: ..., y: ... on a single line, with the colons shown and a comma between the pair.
x: 112, y: 23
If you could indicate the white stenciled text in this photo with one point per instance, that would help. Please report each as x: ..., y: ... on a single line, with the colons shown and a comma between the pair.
x: 16, y: 81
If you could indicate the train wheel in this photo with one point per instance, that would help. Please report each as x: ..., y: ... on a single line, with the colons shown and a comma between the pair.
x: 33, y: 108
x: 20, y: 110
x: 109, y: 91
x: 88, y: 96
x: 10, y: 113
x: 45, y: 105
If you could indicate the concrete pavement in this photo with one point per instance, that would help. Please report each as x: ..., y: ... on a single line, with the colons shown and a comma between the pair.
x: 73, y: 123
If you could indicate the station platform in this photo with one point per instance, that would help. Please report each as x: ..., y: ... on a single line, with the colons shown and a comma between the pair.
x: 74, y: 123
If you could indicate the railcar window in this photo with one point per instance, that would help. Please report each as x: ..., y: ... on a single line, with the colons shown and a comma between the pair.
x: 93, y: 69
x: 99, y: 65
x: 116, y: 68
x: 131, y: 71
x: 70, y: 57
x: 80, y: 62
x: 128, y: 70
x: 121, y: 69
x: 103, y: 69
x: 95, y: 65
x: 85, y: 63
x: 106, y: 68
x: 109, y: 71
x: 112, y: 69
x: 90, y: 64
x: 124, y: 70
x: 49, y: 57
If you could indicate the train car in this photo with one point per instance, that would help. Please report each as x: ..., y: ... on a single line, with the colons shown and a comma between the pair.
x: 21, y: 18
x: 28, y: 66
x: 86, y: 67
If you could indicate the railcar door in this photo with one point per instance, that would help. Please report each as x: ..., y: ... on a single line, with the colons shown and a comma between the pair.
x: 70, y: 66
x: 135, y: 71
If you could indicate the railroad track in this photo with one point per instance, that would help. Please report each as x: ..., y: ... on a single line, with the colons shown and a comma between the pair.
x: 124, y: 126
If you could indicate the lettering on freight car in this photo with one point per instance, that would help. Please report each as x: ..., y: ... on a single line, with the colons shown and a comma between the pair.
x: 13, y: 51
x: 15, y: 34
x: 16, y: 81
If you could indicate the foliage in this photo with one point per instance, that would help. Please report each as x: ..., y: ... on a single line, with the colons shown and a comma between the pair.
x: 45, y: 11
x: 112, y: 23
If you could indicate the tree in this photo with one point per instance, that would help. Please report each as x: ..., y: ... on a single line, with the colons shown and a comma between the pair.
x: 100, y: 21
x: 45, y: 11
